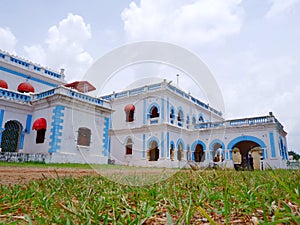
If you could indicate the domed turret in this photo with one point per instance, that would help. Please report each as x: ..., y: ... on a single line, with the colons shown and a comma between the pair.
x: 25, y: 87
x: 3, y: 84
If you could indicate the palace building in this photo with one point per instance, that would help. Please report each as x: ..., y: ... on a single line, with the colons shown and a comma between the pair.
x: 43, y: 118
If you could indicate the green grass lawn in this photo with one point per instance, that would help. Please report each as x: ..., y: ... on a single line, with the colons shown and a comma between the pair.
x: 187, y: 197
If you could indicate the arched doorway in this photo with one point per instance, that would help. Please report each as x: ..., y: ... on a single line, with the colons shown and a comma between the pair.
x: 199, y: 155
x: 179, y: 152
x: 10, y: 141
x: 250, y: 152
x: 218, y: 153
x: 153, y: 151
x: 128, y: 147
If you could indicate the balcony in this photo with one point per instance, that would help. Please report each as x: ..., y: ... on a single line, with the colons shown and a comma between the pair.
x: 16, y: 96
x: 239, y: 123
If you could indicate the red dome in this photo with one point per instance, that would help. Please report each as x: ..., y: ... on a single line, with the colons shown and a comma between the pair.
x: 3, y: 84
x: 129, y: 107
x: 25, y: 87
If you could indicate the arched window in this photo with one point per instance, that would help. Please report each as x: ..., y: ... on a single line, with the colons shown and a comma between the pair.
x: 194, y: 120
x: 129, y: 111
x: 180, y: 116
x: 172, y: 115
x: 201, y: 119
x: 172, y: 151
x: 84, y: 136
x: 128, y: 147
x: 154, y: 112
x: 40, y: 126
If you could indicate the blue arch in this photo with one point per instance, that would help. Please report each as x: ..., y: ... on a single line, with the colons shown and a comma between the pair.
x: 178, y: 142
x: 154, y: 104
x: 153, y: 138
x: 246, y: 138
x: 201, y: 117
x: 211, y: 146
x: 196, y: 143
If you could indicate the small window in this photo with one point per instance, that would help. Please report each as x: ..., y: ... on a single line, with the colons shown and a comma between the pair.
x: 40, y: 125
x: 84, y: 136
x: 40, y: 136
x: 129, y: 147
x: 129, y: 111
x: 154, y: 112
x: 180, y: 116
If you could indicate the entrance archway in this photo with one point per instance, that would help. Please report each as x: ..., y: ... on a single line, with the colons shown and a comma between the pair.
x: 218, y: 153
x: 153, y: 151
x: 179, y: 152
x: 199, y: 155
x: 250, y: 154
x: 10, y: 141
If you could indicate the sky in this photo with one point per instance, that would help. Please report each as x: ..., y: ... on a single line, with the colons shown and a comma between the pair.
x: 252, y: 47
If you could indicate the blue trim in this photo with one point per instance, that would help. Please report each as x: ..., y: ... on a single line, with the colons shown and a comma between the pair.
x: 196, y: 143
x: 245, y: 138
x: 194, y: 121
x: 15, y: 95
x: 162, y: 144
x: 178, y: 142
x: 1, y: 130
x: 56, y: 130
x: 106, y: 136
x: 1, y: 117
x: 168, y: 144
x: 211, y: 146
x: 28, y: 124
x: 144, y: 146
x: 109, y: 144
x: 273, y: 152
x: 145, y: 113
x: 168, y: 109
x: 22, y: 140
x: 162, y: 109
x: 153, y: 138
x: 26, y: 76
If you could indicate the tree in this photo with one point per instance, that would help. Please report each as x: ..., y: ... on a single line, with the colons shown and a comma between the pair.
x: 294, y: 154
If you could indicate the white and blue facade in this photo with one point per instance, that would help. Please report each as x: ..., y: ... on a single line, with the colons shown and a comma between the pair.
x: 186, y: 129
x: 155, y: 125
x: 65, y: 111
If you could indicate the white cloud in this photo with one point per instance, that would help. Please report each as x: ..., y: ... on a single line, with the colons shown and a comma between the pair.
x: 181, y: 21
x: 7, y: 40
x: 64, y: 47
x: 262, y: 85
x: 281, y: 6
